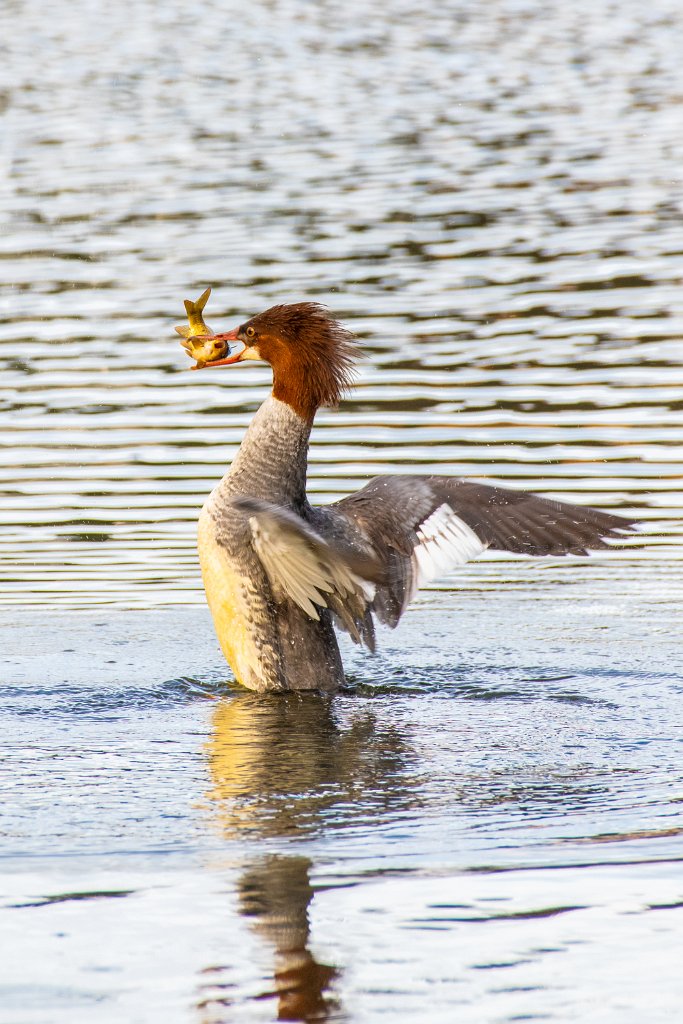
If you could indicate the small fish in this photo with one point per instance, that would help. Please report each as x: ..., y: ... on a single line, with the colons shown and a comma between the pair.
x: 204, y: 349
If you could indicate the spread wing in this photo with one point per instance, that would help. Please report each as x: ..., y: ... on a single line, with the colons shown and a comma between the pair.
x: 422, y: 527
x: 311, y: 571
x: 370, y: 552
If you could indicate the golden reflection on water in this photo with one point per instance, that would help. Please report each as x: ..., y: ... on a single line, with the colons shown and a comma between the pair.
x: 286, y: 766
x: 279, y: 766
x: 289, y: 765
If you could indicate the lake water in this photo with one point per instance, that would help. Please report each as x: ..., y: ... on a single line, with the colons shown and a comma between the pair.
x: 488, y: 825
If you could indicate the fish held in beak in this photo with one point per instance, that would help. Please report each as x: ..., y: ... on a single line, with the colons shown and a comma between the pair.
x: 236, y: 355
x: 199, y: 341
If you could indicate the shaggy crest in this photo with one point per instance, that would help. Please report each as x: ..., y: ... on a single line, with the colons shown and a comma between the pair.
x: 311, y: 354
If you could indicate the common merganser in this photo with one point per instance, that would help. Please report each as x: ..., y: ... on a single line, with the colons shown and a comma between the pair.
x: 280, y: 574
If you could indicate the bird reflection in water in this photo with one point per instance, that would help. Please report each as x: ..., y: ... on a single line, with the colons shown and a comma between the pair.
x: 289, y: 766
x: 274, y: 894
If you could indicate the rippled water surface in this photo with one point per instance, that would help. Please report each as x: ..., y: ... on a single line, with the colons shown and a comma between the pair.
x: 487, y: 825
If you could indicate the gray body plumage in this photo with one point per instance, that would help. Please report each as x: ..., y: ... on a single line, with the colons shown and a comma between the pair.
x: 292, y: 572
x: 295, y: 651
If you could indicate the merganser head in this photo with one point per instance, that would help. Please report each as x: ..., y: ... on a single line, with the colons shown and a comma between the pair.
x: 311, y: 354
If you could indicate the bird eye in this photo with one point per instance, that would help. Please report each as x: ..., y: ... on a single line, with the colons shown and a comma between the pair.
x: 250, y: 332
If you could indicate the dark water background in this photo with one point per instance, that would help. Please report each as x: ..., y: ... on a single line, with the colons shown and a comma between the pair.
x: 488, y: 826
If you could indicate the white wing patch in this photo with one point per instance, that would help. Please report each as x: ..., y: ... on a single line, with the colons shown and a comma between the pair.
x: 444, y: 542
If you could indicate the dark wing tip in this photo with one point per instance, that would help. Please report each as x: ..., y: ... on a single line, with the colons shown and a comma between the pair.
x: 522, y: 522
